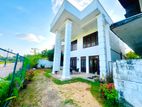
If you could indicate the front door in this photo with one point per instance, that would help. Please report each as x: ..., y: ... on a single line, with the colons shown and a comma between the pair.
x: 73, y: 63
x: 83, y: 64
x: 94, y: 64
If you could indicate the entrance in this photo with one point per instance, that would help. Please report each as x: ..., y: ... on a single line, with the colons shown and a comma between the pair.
x: 73, y: 62
x: 83, y: 64
x: 94, y: 64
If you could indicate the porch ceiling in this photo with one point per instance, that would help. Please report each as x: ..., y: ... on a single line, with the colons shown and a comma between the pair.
x: 79, y: 18
x: 130, y: 31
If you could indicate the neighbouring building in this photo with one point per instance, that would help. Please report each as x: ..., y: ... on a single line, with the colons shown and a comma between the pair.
x: 86, y: 40
x: 127, y: 74
x: 129, y: 30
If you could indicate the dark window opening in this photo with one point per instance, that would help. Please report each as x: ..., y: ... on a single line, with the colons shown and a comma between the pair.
x: 90, y: 40
x: 74, y: 45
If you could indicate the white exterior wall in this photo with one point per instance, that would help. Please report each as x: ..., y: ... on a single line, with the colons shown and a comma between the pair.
x: 128, y: 80
x: 91, y: 51
x: 102, y: 49
x: 84, y: 23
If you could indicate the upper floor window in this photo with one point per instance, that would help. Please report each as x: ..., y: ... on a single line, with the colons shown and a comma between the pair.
x: 74, y: 45
x: 90, y: 40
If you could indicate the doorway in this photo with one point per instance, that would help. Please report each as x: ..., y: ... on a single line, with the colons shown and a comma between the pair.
x: 94, y: 64
x: 83, y: 64
x: 73, y: 62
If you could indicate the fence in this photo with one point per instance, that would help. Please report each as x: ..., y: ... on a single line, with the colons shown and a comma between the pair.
x: 12, y: 74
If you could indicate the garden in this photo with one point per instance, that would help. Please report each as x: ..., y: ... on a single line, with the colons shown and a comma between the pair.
x: 37, y: 87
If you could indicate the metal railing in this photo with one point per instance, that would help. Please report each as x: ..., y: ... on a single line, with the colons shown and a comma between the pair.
x: 13, y: 69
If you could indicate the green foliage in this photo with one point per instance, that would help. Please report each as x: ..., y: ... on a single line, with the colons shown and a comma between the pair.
x: 109, y: 77
x: 4, y: 88
x: 48, y: 54
x: 109, y: 92
x: 33, y: 60
x: 29, y: 75
x: 6, y: 85
x: 132, y: 55
x: 68, y: 101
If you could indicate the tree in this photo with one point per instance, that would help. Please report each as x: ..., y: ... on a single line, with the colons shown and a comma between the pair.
x: 50, y: 55
x: 132, y: 55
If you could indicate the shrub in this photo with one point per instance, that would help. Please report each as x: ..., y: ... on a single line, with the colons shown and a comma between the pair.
x: 33, y: 60
x: 29, y: 75
x: 109, y: 77
x: 4, y: 88
x: 109, y: 92
x: 132, y: 55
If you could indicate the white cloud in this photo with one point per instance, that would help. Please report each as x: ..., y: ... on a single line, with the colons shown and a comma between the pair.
x: 80, y: 4
x: 48, y: 43
x: 31, y: 37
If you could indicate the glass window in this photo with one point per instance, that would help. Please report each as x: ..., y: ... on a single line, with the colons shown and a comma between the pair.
x: 90, y: 40
x: 74, y: 45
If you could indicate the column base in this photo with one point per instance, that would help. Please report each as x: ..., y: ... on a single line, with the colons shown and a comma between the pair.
x: 66, y: 78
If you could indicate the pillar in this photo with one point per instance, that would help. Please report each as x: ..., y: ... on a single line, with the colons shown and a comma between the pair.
x: 67, y: 48
x: 57, y: 53
x: 102, y: 51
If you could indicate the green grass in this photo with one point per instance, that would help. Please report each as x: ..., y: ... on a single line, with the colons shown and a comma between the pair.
x: 95, y: 88
x: 70, y: 101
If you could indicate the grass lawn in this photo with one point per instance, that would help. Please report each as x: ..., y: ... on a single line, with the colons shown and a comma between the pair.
x: 95, y: 88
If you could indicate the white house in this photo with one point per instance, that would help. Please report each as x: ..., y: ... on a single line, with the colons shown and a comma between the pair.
x: 88, y: 43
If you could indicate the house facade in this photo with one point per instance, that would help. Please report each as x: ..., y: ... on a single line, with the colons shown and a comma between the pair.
x: 85, y: 39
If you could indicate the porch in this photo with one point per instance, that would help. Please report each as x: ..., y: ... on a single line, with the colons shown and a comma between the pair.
x: 74, y: 74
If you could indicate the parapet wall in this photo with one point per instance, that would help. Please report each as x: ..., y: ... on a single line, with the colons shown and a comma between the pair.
x: 127, y: 76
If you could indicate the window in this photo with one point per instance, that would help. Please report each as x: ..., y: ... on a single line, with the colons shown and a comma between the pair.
x: 74, y: 45
x: 90, y: 40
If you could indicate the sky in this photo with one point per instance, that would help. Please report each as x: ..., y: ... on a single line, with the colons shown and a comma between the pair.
x: 25, y: 24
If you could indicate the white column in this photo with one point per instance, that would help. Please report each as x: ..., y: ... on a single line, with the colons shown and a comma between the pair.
x: 87, y: 64
x: 108, y: 48
x: 102, y: 52
x: 57, y: 53
x: 67, y: 48
x: 79, y: 63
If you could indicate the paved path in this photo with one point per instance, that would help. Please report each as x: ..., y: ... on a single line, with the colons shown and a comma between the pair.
x: 8, y: 69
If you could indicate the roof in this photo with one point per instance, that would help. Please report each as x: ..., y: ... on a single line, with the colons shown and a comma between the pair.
x: 130, y: 31
x: 68, y: 11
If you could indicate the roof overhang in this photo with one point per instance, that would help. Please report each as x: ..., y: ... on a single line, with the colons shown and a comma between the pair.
x: 130, y: 31
x: 68, y: 11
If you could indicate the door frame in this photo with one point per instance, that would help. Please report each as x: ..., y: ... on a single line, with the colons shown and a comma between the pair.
x: 96, y: 67
x: 82, y: 58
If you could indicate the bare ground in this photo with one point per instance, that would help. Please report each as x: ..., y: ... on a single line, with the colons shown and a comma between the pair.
x: 42, y: 92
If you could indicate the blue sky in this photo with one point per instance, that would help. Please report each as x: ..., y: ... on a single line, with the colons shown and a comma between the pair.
x: 25, y: 24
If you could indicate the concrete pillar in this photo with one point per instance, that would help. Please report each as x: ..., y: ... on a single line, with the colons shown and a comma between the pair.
x: 87, y: 64
x: 79, y: 63
x: 102, y: 51
x: 57, y: 53
x: 67, y: 48
x: 108, y: 48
